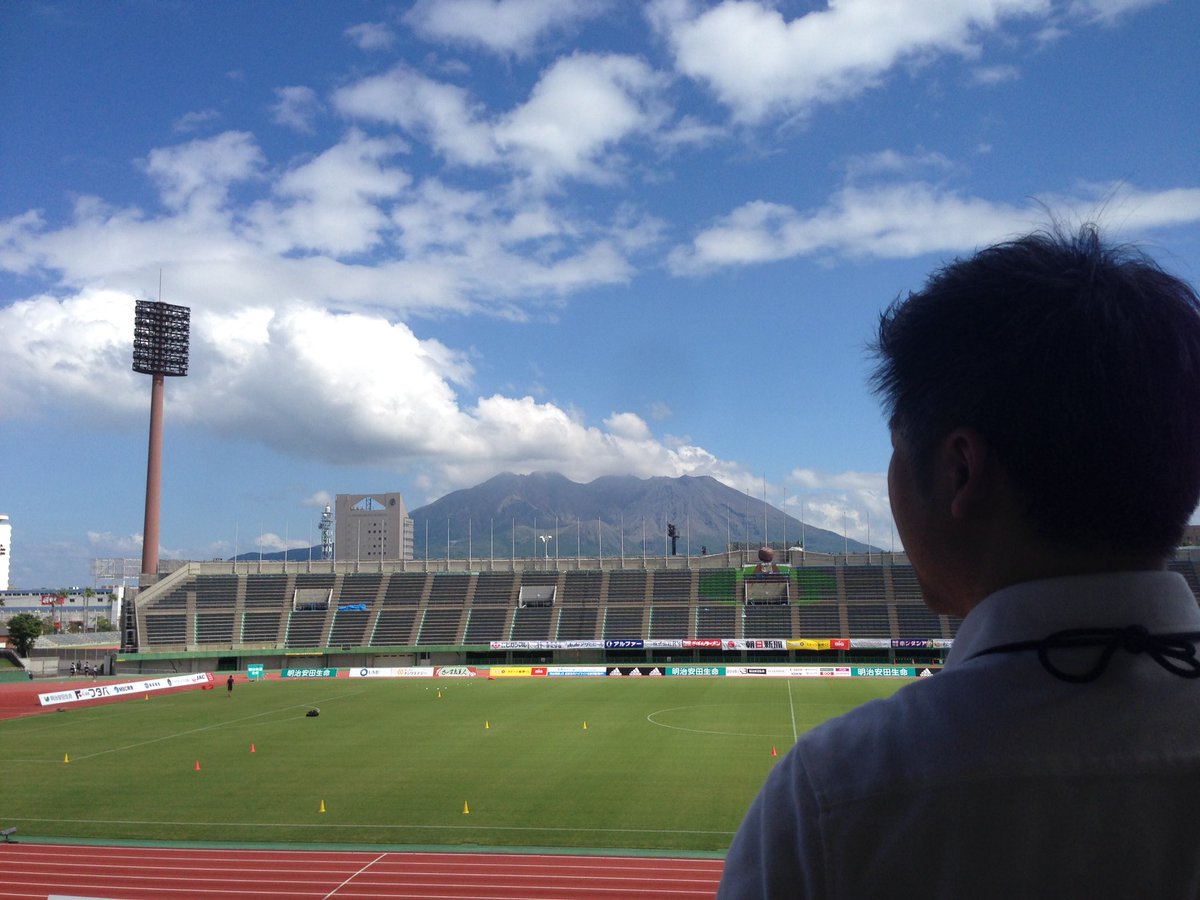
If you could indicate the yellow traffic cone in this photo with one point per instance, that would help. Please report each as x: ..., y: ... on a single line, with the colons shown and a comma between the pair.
x: 466, y: 809
x: 66, y: 758
x: 322, y: 809
x: 486, y: 725
x: 585, y: 726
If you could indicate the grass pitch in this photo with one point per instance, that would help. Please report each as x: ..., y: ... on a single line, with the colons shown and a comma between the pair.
x: 657, y: 764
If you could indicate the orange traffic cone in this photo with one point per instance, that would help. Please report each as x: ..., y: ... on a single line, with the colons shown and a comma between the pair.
x: 197, y: 765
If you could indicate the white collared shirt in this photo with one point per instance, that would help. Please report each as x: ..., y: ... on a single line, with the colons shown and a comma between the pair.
x: 995, y: 779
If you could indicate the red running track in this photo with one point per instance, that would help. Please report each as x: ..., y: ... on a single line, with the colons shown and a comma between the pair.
x: 152, y: 873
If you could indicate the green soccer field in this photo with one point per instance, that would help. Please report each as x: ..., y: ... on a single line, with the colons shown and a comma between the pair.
x: 660, y: 764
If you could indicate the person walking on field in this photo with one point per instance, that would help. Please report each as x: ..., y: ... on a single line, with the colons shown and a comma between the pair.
x: 229, y: 686
x: 1044, y: 404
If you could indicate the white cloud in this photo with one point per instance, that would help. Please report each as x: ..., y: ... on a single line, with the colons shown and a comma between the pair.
x: 330, y: 203
x: 371, y: 36
x: 760, y: 64
x: 505, y: 27
x: 339, y: 389
x: 194, y: 121
x: 319, y: 500
x: 1108, y: 11
x: 580, y: 109
x: 296, y: 107
x: 202, y: 171
x: 991, y: 75
x: 442, y: 113
x: 912, y: 219
x: 854, y: 504
x: 74, y: 353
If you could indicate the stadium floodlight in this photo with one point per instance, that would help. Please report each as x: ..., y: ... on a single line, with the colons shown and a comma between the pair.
x: 161, y: 333
x: 546, y: 539
x: 160, y: 338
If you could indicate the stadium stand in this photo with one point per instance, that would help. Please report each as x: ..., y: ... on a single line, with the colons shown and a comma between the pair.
x: 402, y: 613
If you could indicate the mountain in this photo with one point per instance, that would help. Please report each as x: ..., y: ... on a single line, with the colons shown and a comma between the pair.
x: 509, y: 514
x: 608, y: 515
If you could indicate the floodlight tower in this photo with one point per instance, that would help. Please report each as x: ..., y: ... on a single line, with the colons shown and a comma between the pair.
x: 160, y: 348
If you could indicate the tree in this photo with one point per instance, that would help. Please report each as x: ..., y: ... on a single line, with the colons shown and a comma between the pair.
x: 24, y: 629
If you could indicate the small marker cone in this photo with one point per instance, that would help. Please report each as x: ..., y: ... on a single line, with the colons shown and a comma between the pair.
x: 66, y: 758
x: 585, y: 726
x: 251, y: 748
x: 773, y: 752
x: 466, y: 809
x: 439, y: 695
x: 197, y: 765
x: 486, y: 724
x: 322, y: 809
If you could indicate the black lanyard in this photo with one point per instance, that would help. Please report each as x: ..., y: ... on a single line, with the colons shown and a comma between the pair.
x: 1174, y: 652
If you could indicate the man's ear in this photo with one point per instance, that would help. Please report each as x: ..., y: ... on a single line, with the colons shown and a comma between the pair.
x: 967, y: 466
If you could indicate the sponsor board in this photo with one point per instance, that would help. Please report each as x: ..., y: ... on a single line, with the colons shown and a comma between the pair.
x: 254, y: 671
x: 101, y: 691
x: 701, y: 643
x: 788, y: 671
x: 635, y: 671
x: 575, y: 671
x: 755, y: 644
x: 885, y: 672
x: 517, y: 671
x: 692, y: 671
x: 395, y: 672
x: 309, y: 673
x: 454, y: 672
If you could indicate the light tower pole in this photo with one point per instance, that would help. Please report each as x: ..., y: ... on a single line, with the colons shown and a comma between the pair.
x: 160, y: 348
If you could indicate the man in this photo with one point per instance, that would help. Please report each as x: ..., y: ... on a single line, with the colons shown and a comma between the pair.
x: 1044, y: 402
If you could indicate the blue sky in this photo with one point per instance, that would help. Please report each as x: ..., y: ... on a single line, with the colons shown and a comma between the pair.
x: 424, y: 243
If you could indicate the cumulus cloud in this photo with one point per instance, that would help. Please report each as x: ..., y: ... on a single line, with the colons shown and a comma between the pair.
x: 854, y: 504
x: 581, y: 107
x: 505, y: 27
x: 759, y: 64
x: 335, y: 388
x: 202, y: 171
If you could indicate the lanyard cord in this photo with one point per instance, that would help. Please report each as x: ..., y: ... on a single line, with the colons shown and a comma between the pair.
x: 1174, y: 652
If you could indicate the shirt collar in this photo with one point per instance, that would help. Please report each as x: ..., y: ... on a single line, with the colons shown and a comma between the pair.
x: 1161, y: 601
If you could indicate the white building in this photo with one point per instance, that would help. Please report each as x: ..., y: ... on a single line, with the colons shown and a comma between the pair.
x: 372, y: 527
x: 5, y: 551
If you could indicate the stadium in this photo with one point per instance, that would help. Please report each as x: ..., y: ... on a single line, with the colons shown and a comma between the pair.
x: 449, y: 713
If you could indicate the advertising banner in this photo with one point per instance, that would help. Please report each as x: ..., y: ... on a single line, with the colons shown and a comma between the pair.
x: 788, y: 671
x: 517, y: 671
x: 693, y: 671
x: 308, y: 673
x: 635, y: 671
x: 396, y: 672
x: 131, y: 688
x: 807, y: 644
x: 454, y: 672
x: 885, y: 672
x: 755, y: 644
x: 575, y: 671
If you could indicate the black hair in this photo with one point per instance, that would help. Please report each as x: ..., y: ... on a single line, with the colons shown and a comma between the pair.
x: 1079, y: 363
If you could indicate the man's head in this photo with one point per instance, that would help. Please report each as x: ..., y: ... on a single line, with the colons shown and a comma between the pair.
x: 1078, y: 365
